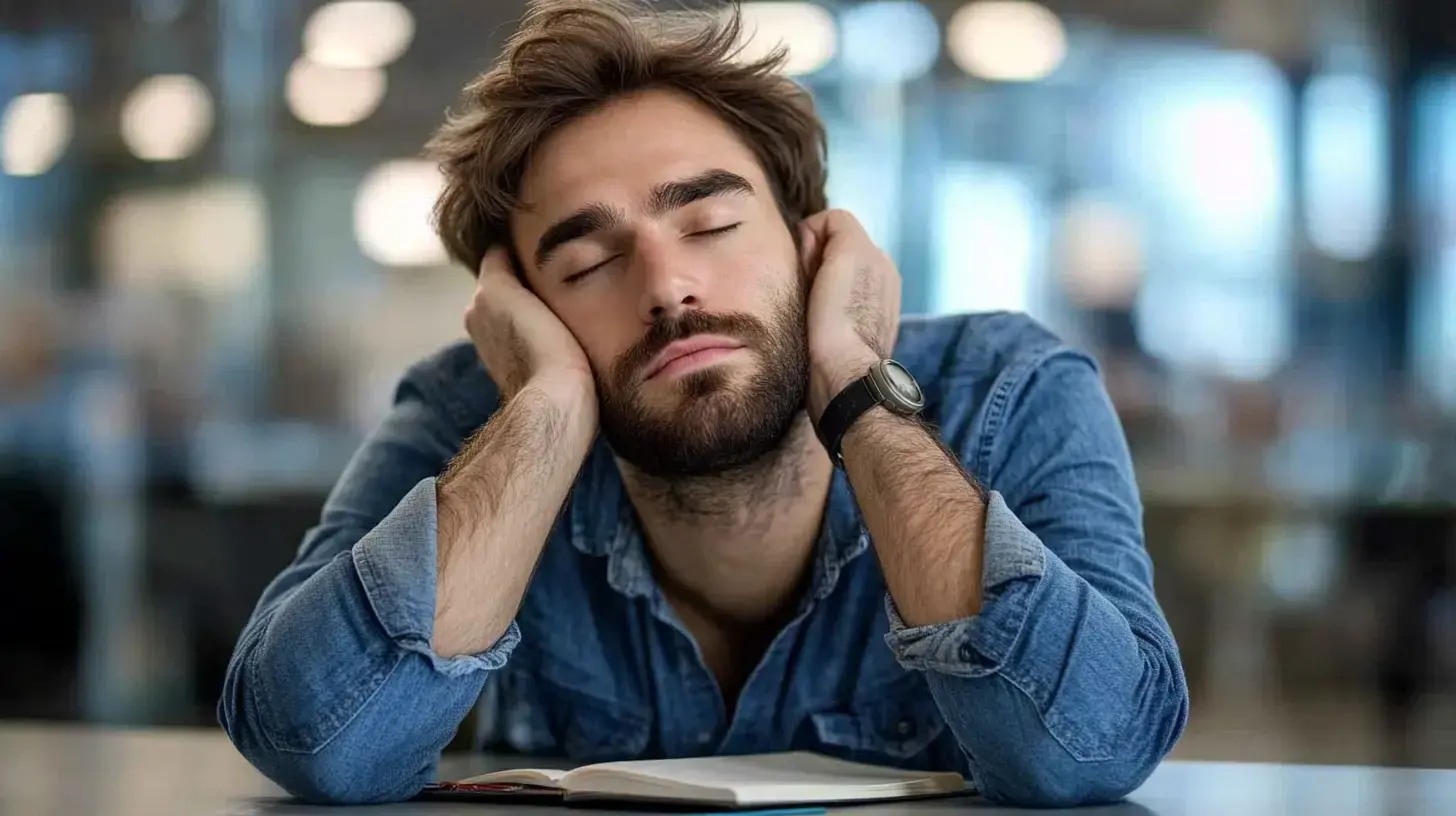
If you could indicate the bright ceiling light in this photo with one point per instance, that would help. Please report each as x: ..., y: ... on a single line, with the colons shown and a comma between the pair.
x: 1006, y: 40
x: 358, y: 33
x: 333, y: 97
x: 807, y: 30
x: 890, y: 40
x: 392, y: 214
x: 167, y: 117
x: 34, y: 131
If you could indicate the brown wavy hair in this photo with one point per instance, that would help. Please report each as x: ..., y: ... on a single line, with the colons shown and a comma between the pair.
x: 569, y: 57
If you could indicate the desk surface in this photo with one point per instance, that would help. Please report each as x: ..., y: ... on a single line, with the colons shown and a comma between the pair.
x: 47, y: 769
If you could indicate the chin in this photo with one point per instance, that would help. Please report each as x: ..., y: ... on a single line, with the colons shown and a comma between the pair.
x: 689, y: 404
x: 707, y: 421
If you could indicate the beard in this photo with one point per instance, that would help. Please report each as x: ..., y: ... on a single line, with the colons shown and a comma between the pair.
x: 717, y: 425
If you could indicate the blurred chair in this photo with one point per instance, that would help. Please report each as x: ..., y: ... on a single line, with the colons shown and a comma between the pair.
x: 207, y: 564
x: 40, y: 602
x: 1406, y: 556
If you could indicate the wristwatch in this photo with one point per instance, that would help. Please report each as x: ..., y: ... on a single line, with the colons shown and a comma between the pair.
x: 887, y: 383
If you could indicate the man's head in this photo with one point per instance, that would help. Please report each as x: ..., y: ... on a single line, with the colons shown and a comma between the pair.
x: 649, y: 187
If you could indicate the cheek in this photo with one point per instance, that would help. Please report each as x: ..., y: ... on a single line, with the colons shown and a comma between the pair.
x: 744, y: 281
x: 785, y: 284
x: 603, y: 332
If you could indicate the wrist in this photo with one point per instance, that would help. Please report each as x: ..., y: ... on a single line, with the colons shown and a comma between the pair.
x: 826, y: 382
x: 565, y: 388
x: 571, y: 397
x: 869, y: 423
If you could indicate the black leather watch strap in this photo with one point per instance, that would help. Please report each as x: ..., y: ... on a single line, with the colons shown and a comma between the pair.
x: 857, y: 398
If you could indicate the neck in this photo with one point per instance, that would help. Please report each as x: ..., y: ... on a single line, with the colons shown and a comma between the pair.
x: 737, y: 545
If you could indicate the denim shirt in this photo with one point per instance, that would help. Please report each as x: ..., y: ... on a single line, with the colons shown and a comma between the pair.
x: 1065, y: 689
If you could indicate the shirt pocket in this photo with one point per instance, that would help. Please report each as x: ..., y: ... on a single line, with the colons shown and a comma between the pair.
x: 896, y: 730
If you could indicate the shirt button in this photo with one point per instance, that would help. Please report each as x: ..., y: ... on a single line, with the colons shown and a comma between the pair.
x: 904, y: 727
x: 965, y: 652
x: 705, y: 737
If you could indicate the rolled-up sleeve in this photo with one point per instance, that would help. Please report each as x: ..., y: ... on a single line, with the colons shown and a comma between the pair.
x: 396, y: 564
x: 1067, y: 687
x: 977, y: 646
x: 333, y: 691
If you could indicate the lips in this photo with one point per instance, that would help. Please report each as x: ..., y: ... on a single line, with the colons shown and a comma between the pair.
x: 683, y: 348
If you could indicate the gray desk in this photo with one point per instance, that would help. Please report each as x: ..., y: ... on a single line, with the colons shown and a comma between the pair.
x: 52, y: 770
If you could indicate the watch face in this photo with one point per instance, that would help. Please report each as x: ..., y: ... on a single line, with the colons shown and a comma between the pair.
x: 906, y: 390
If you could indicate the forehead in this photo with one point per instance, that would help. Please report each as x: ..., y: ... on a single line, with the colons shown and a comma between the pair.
x: 617, y: 153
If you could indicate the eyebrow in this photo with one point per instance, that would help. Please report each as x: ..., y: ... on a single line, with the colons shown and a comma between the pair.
x: 667, y: 196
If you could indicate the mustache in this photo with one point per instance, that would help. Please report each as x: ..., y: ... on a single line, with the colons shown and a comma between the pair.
x: 667, y: 331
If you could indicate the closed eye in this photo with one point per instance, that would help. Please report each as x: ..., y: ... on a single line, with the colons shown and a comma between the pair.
x: 576, y: 276
x: 724, y: 230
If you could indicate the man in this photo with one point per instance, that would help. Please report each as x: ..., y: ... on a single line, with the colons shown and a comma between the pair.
x: 778, y: 540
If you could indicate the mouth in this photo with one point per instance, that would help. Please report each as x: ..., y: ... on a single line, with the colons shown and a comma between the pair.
x: 689, y: 354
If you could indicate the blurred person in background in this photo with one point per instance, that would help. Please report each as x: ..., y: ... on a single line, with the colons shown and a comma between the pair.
x: 33, y: 427
x: 696, y: 487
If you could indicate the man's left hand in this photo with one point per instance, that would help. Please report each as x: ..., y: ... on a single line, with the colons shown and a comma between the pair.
x: 854, y: 304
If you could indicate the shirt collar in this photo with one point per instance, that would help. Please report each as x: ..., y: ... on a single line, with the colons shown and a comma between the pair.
x: 604, y: 524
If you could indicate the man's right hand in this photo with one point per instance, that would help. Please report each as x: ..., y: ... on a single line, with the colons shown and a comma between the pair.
x: 518, y: 337
x: 499, y: 499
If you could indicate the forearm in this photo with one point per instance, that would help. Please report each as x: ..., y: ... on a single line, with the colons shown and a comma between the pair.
x: 497, y: 503
x: 330, y: 697
x: 1057, y: 696
x: 924, y: 513
x: 1063, y: 685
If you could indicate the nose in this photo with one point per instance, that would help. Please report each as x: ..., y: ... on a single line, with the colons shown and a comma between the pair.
x: 670, y: 286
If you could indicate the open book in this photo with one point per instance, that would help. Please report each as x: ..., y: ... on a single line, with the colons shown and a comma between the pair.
x: 725, y: 781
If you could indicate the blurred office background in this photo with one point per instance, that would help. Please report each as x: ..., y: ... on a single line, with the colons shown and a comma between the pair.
x: 215, y: 261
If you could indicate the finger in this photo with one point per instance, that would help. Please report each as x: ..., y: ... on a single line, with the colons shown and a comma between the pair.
x: 840, y: 233
x: 497, y: 261
x: 844, y: 225
x: 810, y: 249
x: 818, y: 225
x: 496, y: 275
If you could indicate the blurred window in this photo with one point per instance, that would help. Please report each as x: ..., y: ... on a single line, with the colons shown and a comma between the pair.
x: 1346, y: 167
x: 1184, y: 146
x: 1434, y: 310
x: 1199, y: 138
x: 990, y: 230
x: 865, y: 170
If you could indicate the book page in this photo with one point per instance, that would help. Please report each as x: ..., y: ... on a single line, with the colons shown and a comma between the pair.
x: 545, y: 777
x: 783, y: 777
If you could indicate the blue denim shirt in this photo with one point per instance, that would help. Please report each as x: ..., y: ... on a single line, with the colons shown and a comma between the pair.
x: 1065, y: 689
